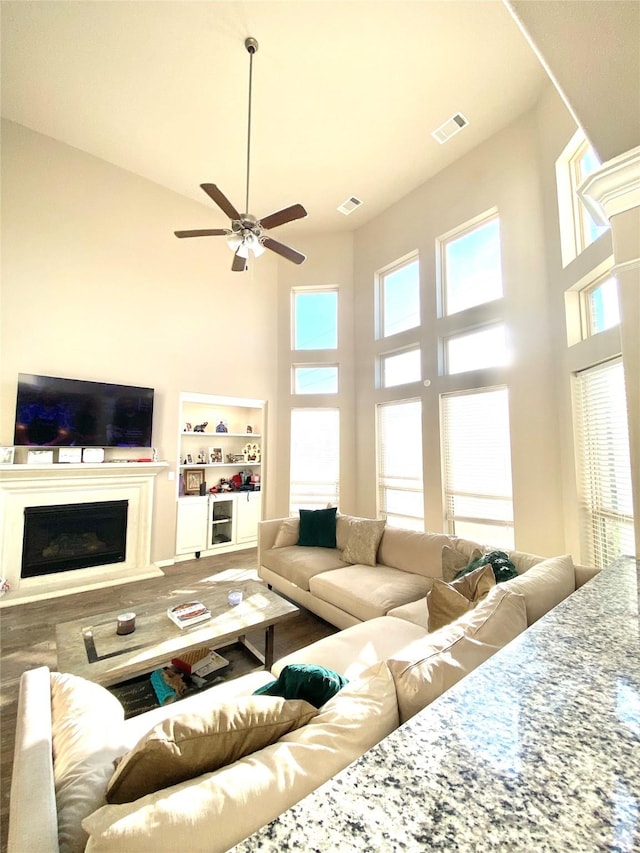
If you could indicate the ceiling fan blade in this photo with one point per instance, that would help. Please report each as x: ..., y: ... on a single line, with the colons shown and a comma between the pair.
x: 204, y: 232
x: 221, y: 200
x: 239, y: 264
x: 280, y: 217
x: 286, y: 251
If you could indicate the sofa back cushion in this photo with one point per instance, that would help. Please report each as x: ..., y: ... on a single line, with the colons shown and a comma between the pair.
x: 426, y: 668
x: 87, y: 735
x: 544, y: 585
x: 217, y: 810
x: 412, y: 551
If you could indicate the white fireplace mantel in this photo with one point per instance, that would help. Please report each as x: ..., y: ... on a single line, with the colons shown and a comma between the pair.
x: 23, y: 486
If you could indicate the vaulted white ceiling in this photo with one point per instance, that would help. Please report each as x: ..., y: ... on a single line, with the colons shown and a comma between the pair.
x: 345, y: 94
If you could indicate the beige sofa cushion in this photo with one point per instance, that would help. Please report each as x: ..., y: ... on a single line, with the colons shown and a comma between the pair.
x: 287, y: 533
x: 415, y: 612
x: 216, y: 811
x: 355, y: 649
x: 412, y: 551
x: 188, y: 745
x: 368, y: 591
x: 426, y: 668
x: 87, y: 735
x: 448, y: 601
x: 544, y: 585
x: 298, y: 565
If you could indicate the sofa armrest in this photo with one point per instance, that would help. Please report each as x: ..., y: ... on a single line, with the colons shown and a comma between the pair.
x: 33, y: 822
x: 267, y: 532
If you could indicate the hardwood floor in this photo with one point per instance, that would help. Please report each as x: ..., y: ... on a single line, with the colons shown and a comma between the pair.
x: 27, y: 636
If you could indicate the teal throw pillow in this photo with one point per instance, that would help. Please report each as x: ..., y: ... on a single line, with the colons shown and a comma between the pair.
x: 318, y: 528
x: 311, y: 682
x: 503, y: 568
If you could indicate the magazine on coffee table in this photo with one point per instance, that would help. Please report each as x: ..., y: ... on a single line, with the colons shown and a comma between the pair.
x: 188, y: 613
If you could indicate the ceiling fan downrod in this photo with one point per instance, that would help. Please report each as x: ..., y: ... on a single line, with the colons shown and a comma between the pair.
x: 251, y: 45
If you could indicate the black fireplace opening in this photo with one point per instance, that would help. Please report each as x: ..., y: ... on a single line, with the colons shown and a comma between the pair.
x: 73, y: 536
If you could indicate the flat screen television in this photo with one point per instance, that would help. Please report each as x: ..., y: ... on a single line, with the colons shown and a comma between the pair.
x: 54, y: 412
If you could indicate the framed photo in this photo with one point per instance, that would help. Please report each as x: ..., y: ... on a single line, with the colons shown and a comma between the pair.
x: 192, y: 481
x: 6, y: 455
x: 188, y: 459
x: 215, y: 455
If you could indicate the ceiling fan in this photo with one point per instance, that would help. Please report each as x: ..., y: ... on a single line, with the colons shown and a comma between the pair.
x: 247, y: 232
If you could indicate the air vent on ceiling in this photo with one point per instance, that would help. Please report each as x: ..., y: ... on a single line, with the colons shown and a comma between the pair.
x: 349, y: 205
x: 450, y: 128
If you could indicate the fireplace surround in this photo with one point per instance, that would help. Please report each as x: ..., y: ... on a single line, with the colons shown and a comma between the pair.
x: 23, y: 487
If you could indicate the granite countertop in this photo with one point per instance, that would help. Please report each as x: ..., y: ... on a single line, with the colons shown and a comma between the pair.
x: 537, y: 750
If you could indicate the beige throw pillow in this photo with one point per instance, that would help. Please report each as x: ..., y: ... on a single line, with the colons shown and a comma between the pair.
x: 188, y: 745
x: 363, y: 541
x: 454, y: 560
x: 446, y: 602
x: 287, y: 533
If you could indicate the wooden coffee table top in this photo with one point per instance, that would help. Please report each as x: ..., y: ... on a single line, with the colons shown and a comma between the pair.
x: 91, y: 648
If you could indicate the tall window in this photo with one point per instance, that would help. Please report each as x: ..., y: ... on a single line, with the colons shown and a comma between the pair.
x: 315, y: 319
x: 471, y: 266
x: 577, y: 228
x: 400, y: 298
x: 604, y: 463
x: 398, y: 368
x: 315, y: 379
x: 601, y: 306
x: 315, y: 459
x: 400, y: 486
x: 476, y: 456
x: 476, y: 350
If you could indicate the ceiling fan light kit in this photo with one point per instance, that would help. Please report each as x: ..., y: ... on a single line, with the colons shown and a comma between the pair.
x: 246, y: 234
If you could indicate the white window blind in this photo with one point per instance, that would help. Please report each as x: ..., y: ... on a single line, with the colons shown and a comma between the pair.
x: 476, y: 458
x: 604, y: 463
x: 315, y: 459
x: 400, y: 485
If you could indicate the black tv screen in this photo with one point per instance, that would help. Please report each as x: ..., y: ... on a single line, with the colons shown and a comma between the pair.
x: 53, y: 412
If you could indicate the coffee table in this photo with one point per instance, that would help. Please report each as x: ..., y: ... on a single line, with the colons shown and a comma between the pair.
x: 91, y: 648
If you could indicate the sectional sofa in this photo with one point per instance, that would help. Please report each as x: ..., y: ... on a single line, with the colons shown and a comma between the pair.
x: 71, y: 731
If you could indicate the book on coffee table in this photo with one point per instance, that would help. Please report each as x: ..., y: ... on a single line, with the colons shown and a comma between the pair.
x: 188, y: 613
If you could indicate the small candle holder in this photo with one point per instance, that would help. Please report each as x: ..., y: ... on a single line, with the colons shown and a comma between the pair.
x: 126, y: 623
x: 235, y: 597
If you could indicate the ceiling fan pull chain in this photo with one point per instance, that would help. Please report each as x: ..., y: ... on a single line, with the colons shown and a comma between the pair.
x: 252, y: 45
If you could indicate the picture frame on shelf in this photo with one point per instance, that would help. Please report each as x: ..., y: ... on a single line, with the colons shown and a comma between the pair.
x: 215, y: 455
x: 193, y: 479
x: 188, y: 459
x: 6, y: 455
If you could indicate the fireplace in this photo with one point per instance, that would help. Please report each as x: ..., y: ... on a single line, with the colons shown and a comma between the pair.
x: 66, y: 537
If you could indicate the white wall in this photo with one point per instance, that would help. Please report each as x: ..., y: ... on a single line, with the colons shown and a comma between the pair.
x: 96, y: 286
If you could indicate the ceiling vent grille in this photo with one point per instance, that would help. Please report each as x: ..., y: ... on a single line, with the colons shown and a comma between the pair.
x: 349, y: 205
x: 452, y: 126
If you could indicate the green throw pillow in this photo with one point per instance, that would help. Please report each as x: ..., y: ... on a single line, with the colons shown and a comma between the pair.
x: 311, y: 682
x: 503, y: 568
x: 318, y: 528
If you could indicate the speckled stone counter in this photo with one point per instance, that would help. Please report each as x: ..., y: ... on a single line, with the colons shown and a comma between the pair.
x: 537, y: 750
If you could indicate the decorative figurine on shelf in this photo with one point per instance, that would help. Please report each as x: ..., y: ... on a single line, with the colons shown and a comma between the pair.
x: 200, y: 427
x: 249, y: 429
x: 187, y: 427
x: 222, y: 427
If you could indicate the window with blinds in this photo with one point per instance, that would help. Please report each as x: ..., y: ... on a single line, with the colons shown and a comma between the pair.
x: 604, y: 483
x: 315, y: 459
x: 400, y: 485
x: 476, y: 460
